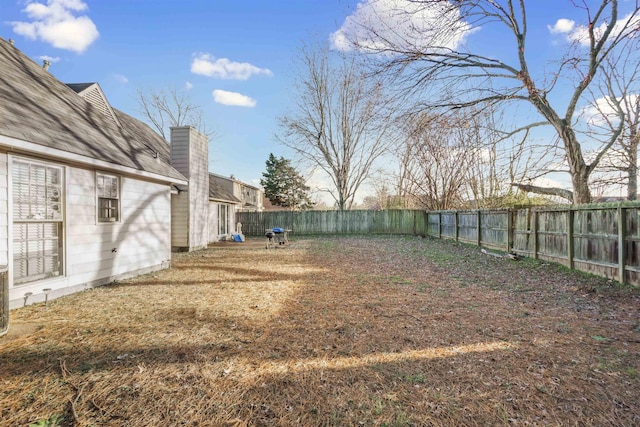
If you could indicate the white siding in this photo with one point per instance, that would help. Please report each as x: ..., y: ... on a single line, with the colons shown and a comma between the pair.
x: 139, y: 240
x: 189, y: 155
x: 180, y: 220
x: 180, y: 151
x: 4, y: 211
x: 97, y: 253
x: 198, y: 190
x: 213, y: 222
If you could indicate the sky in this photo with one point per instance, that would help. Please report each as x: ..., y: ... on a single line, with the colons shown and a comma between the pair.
x: 232, y: 58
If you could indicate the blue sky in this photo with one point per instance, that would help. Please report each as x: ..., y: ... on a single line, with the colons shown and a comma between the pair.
x: 234, y: 58
x: 153, y: 44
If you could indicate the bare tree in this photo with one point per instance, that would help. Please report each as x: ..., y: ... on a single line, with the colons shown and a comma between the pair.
x: 421, y: 46
x: 337, y: 124
x: 171, y: 107
x: 615, y: 105
x: 435, y: 161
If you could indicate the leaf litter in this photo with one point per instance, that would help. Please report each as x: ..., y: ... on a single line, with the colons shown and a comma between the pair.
x: 331, y: 331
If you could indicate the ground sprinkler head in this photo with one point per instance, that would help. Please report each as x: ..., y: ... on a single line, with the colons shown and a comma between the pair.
x: 26, y: 297
x: 46, y: 295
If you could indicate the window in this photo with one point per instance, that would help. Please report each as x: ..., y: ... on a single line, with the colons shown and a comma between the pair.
x: 108, y: 189
x: 37, y: 221
x: 223, y: 215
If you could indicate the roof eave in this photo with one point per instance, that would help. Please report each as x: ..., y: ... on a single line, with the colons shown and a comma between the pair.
x: 25, y: 147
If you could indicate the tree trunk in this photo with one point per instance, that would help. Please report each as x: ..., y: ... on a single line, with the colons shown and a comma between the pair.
x: 578, y: 168
x: 580, y: 181
x: 632, y: 186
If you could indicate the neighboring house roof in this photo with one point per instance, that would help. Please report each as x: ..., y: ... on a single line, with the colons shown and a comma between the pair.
x: 245, y: 185
x: 268, y: 206
x: 37, y: 108
x: 218, y: 192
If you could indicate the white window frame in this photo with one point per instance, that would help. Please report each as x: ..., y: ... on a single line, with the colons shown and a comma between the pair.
x: 107, y: 197
x: 42, y: 224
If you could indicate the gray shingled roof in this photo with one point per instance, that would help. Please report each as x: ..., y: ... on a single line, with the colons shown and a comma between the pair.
x: 218, y: 192
x: 38, y: 108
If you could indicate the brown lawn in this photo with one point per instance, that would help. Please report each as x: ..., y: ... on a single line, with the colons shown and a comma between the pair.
x: 394, y: 331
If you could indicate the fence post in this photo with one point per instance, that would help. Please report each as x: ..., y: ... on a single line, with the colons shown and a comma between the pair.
x: 570, y: 237
x: 509, y: 230
x: 534, y: 232
x: 622, y: 246
x: 479, y: 229
x: 439, y: 224
x: 455, y: 219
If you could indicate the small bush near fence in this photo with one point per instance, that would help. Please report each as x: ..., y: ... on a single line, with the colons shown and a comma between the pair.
x: 601, y: 240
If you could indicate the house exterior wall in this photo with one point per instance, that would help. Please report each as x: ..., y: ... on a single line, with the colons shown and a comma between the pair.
x: 213, y: 222
x: 189, y: 155
x: 4, y: 211
x: 251, y: 197
x: 214, y: 235
x: 180, y: 220
x: 99, y: 253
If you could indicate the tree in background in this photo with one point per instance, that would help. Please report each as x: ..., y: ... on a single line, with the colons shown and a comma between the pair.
x: 170, y: 107
x: 459, y: 160
x: 616, y: 104
x: 421, y: 46
x: 337, y: 125
x: 284, y: 186
x: 436, y: 157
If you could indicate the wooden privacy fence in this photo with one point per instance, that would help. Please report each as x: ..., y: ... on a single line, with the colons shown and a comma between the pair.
x: 600, y: 240
x: 334, y: 222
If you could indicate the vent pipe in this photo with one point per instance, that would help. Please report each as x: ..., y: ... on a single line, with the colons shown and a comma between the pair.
x: 46, y: 64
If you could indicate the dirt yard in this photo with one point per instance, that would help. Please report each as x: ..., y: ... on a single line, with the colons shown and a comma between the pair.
x: 341, y: 331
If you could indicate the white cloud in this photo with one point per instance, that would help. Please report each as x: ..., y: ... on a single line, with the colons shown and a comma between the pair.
x: 188, y: 86
x: 562, y: 26
x: 233, y: 98
x: 630, y: 24
x: 120, y: 78
x: 222, y: 68
x: 378, y: 24
x: 55, y: 23
x: 51, y: 59
x: 603, y: 111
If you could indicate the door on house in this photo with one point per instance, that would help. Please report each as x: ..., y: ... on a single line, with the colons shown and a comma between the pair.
x: 223, y: 219
x: 37, y: 221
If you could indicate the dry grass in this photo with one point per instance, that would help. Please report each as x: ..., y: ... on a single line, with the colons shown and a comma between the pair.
x: 332, y: 331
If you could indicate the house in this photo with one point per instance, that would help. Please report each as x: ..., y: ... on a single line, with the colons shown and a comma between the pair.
x: 189, y: 207
x: 223, y: 206
x: 250, y: 197
x: 86, y: 191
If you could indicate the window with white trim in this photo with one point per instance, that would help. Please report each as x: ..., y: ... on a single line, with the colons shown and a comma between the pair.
x: 108, y: 192
x: 37, y: 221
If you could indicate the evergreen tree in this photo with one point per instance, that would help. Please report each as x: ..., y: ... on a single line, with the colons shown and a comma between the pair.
x: 284, y: 186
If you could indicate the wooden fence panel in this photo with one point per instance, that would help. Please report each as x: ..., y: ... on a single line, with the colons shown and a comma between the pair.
x: 595, y: 241
x: 604, y: 241
x: 448, y: 224
x: 524, y: 231
x: 433, y: 224
x: 494, y: 229
x: 552, y: 235
x: 468, y: 226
